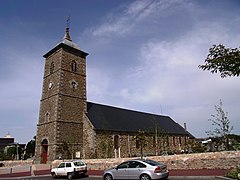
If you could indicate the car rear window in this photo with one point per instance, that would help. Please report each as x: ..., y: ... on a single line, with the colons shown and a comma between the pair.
x: 152, y: 163
x: 79, y: 163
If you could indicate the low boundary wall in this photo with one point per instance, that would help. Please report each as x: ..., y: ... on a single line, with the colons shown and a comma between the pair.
x: 213, y: 160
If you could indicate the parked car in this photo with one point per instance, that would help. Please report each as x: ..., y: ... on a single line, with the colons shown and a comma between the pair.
x: 70, y: 169
x: 143, y: 169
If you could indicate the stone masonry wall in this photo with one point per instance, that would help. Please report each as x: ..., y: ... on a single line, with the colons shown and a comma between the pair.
x: 214, y: 160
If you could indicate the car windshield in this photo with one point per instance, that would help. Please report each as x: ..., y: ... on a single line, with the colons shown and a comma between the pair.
x: 79, y: 163
x: 151, y: 162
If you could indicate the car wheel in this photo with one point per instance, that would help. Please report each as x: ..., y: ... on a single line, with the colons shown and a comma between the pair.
x: 145, y: 177
x: 53, y: 174
x: 70, y: 176
x: 166, y: 178
x: 108, y: 177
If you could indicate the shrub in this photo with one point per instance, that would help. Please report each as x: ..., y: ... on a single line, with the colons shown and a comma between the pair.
x: 234, y: 173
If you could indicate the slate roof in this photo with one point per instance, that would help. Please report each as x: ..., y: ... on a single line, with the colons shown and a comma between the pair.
x: 110, y: 118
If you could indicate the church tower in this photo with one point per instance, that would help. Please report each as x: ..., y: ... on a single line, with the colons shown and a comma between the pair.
x: 63, y: 103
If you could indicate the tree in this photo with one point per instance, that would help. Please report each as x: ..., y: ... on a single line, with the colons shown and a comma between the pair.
x: 141, y: 139
x: 1, y: 155
x: 30, y: 148
x: 222, y: 125
x: 223, y: 60
x: 64, y: 151
x: 14, y: 152
x: 160, y: 137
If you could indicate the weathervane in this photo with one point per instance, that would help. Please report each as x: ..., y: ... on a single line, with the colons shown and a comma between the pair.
x: 67, y: 35
x: 68, y: 22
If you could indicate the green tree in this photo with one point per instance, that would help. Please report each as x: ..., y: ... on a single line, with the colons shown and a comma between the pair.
x: 64, y: 150
x: 14, y: 152
x: 222, y: 125
x: 160, y: 137
x: 223, y: 60
x: 141, y: 139
x: 2, y: 155
x: 30, y: 148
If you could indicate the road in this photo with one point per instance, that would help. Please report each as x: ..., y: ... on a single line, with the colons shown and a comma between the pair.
x: 100, y: 178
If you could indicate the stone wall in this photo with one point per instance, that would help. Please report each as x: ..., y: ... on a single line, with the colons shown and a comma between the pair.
x: 124, y: 144
x: 214, y: 160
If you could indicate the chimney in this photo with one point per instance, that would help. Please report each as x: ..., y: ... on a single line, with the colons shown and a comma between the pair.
x: 185, y: 126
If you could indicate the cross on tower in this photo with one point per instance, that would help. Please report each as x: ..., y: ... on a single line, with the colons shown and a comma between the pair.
x: 67, y: 35
x: 68, y: 22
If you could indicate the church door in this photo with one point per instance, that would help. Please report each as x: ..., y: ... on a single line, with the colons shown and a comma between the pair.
x: 44, y: 151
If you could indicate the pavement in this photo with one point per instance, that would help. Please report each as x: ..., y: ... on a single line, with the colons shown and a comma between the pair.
x: 41, y: 170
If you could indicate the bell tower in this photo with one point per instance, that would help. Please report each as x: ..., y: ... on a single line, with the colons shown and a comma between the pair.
x: 63, y: 102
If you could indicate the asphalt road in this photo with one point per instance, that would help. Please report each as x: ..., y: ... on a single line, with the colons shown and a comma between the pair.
x: 100, y: 178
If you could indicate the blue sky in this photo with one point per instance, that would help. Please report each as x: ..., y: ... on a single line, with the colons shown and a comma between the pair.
x: 143, y: 55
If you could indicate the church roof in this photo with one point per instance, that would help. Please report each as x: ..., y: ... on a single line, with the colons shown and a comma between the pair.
x: 110, y: 118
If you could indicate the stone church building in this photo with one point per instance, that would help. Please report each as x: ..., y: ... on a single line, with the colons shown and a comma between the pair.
x: 69, y: 123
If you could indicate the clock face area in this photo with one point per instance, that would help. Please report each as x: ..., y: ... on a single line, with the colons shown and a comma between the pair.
x: 50, y: 85
x: 73, y: 84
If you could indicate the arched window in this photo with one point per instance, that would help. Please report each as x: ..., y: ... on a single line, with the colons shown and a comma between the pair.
x: 180, y: 140
x: 137, y: 144
x: 47, y: 117
x: 174, y: 141
x: 116, y: 142
x: 154, y: 141
x: 44, y: 142
x: 52, y: 68
x: 74, y: 66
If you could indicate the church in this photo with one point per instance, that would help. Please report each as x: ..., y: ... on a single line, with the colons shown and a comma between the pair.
x: 71, y: 127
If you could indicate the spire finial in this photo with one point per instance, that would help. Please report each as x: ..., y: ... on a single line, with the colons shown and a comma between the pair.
x: 68, y: 22
x: 67, y: 35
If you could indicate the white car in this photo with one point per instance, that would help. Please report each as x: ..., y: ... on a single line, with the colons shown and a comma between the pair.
x: 70, y: 169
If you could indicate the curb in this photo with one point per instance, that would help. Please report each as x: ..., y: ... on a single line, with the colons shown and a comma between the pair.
x: 222, y: 177
x: 97, y: 176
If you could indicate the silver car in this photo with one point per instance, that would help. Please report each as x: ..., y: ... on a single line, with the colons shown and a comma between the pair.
x: 143, y: 169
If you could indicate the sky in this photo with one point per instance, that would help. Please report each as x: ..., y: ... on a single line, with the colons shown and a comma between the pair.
x: 143, y: 56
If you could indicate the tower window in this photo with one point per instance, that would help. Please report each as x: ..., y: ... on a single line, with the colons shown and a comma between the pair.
x: 116, y: 141
x: 47, y: 117
x: 52, y: 68
x: 74, y: 66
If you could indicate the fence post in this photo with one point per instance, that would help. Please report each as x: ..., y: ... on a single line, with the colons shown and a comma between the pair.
x: 30, y: 168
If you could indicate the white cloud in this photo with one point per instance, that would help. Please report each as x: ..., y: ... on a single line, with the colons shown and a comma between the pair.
x: 134, y: 14
x: 167, y: 75
x: 98, y: 84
